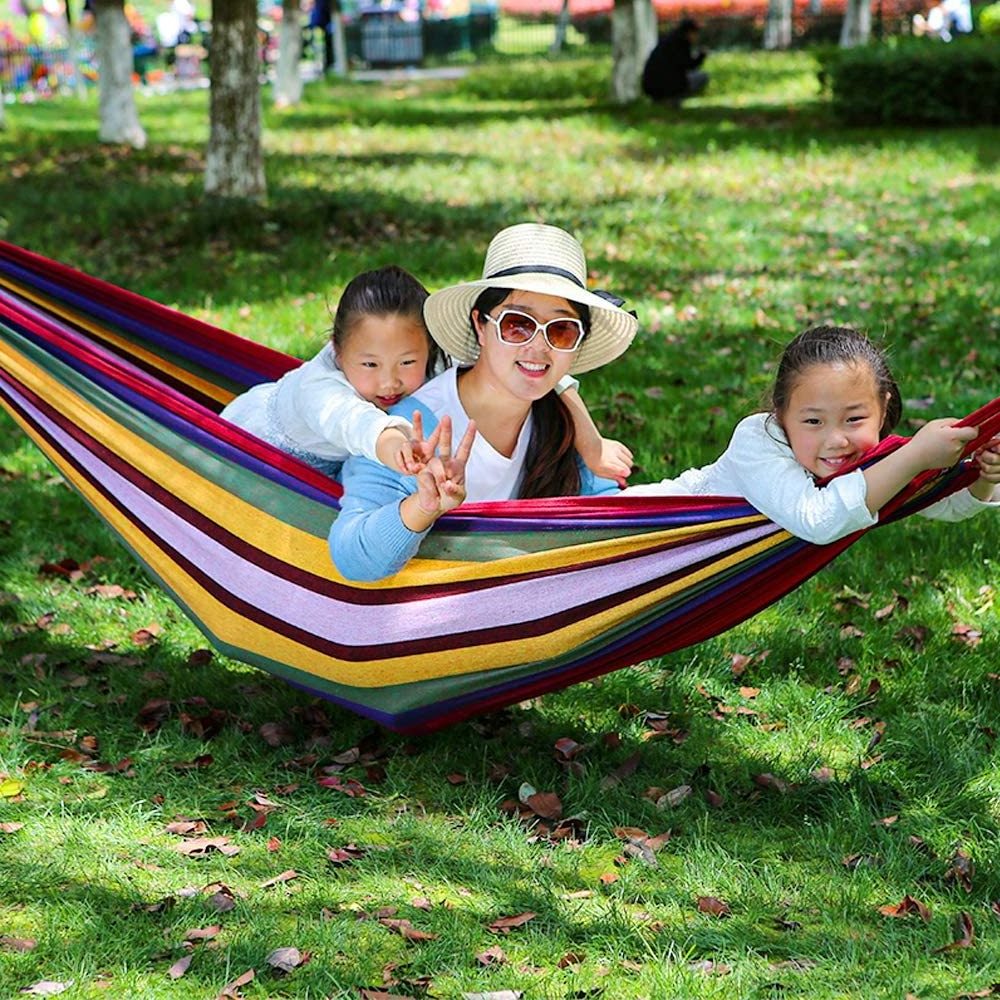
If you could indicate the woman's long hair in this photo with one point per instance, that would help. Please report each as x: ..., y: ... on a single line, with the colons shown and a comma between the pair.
x: 551, y: 467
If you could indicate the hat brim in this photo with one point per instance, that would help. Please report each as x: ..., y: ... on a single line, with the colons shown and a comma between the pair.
x: 447, y: 315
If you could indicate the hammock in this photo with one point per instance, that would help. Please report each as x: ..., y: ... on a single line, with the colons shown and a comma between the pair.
x: 505, y: 601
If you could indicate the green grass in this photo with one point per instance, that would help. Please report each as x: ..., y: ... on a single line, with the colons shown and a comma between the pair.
x: 728, y: 226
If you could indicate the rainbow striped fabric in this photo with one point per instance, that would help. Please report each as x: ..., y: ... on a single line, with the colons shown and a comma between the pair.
x: 506, y: 600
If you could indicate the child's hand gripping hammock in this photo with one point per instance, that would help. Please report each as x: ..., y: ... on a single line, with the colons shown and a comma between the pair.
x: 505, y: 601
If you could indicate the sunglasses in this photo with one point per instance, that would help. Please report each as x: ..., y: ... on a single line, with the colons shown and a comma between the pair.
x: 515, y: 327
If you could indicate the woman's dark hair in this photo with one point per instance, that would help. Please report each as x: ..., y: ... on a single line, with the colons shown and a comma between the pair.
x: 830, y: 345
x: 385, y: 291
x: 550, y: 465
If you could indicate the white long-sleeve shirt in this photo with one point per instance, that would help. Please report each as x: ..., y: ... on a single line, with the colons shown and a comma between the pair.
x: 313, y: 413
x: 759, y: 466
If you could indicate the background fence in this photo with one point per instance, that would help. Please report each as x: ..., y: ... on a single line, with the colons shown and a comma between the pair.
x: 383, y: 38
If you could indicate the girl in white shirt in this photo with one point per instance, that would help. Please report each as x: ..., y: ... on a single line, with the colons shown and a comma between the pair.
x: 335, y: 404
x: 338, y: 403
x: 834, y: 399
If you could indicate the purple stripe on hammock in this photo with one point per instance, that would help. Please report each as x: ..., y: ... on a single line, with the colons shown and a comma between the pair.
x: 219, y: 364
x: 351, y: 624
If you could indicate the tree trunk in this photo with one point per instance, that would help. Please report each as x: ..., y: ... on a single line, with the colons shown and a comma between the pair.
x: 73, y: 53
x: 633, y: 37
x: 857, y: 26
x: 562, y: 25
x: 119, y: 119
x: 339, y: 44
x: 778, y: 26
x: 234, y: 162
x: 287, y: 76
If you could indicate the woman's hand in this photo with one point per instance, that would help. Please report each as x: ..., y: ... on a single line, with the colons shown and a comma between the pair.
x: 441, y: 481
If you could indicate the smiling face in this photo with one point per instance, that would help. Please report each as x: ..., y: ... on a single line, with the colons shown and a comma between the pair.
x: 834, y: 415
x: 527, y: 371
x: 385, y: 358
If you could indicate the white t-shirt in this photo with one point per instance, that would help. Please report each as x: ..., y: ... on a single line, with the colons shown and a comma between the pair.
x: 759, y: 466
x: 488, y: 474
x: 313, y: 413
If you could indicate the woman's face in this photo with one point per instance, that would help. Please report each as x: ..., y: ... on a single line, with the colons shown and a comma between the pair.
x: 527, y: 371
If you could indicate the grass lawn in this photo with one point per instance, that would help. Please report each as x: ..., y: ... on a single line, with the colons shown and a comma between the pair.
x: 806, y: 806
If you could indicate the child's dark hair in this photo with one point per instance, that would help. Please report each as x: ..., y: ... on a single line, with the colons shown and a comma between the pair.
x: 831, y: 345
x: 385, y: 291
x: 550, y: 465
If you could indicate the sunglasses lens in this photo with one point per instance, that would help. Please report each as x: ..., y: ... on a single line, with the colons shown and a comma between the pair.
x: 516, y: 328
x: 563, y: 334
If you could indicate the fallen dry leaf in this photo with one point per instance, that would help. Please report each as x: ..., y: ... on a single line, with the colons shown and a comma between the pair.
x: 286, y: 959
x: 285, y: 876
x: 624, y: 770
x: 202, y: 933
x: 770, y: 781
x: 492, y: 956
x: 147, y: 634
x: 200, y: 846
x: 345, y: 855
x: 407, y: 930
x: 544, y: 804
x: 906, y: 906
x: 231, y: 991
x: 494, y: 995
x: 674, y: 797
x: 962, y: 870
x: 713, y: 906
x: 17, y: 944
x: 180, y: 967
x: 967, y: 634
x: 349, y: 786
x: 183, y: 827
x: 710, y: 968
x: 47, y: 988
x: 885, y: 820
x: 504, y: 925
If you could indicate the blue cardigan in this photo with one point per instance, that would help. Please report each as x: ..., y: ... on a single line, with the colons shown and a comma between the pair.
x: 368, y: 540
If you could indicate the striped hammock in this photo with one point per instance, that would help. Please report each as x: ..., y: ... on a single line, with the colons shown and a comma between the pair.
x: 505, y: 601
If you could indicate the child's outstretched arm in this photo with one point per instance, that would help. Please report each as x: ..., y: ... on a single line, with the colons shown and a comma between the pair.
x: 603, y: 456
x: 394, y: 449
x: 937, y: 445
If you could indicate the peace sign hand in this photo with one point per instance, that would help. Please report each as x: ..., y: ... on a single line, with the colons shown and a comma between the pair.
x: 441, y: 482
x: 419, y: 450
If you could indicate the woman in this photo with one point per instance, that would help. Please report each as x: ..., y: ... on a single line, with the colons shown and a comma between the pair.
x: 514, y: 334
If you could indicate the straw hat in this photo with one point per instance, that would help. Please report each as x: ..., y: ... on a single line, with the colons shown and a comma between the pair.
x: 531, y: 257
